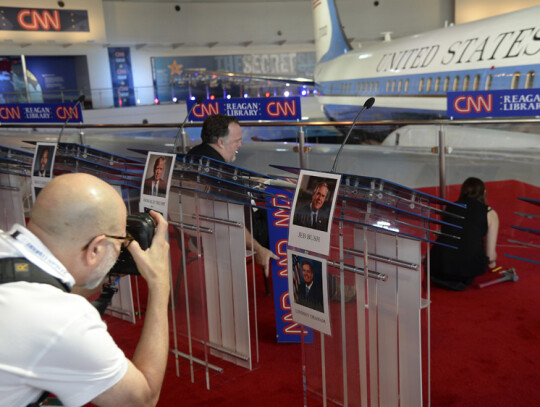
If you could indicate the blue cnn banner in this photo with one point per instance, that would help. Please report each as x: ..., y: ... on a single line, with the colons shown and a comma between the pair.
x: 40, y: 113
x: 247, y: 109
x: 121, y: 77
x: 495, y: 103
x: 279, y: 213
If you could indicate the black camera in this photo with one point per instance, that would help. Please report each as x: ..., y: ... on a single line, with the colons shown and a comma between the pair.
x: 141, y: 226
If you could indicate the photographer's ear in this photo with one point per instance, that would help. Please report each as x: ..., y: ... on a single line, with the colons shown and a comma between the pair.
x: 95, y: 251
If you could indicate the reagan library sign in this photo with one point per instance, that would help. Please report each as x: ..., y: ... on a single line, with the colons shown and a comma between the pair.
x: 285, y: 108
x: 495, y: 103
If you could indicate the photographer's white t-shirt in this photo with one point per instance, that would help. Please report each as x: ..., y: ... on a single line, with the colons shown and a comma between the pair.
x: 52, y: 340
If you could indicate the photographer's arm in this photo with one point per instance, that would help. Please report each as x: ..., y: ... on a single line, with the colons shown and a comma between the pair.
x: 142, y: 382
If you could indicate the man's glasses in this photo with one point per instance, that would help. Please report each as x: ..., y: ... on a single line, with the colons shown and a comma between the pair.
x: 126, y: 240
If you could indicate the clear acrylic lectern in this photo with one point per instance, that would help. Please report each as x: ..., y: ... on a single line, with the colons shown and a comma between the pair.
x: 215, y: 307
x: 378, y: 353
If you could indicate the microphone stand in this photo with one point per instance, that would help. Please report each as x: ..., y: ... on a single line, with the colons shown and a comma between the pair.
x: 80, y: 99
x: 181, y: 131
x: 367, y: 105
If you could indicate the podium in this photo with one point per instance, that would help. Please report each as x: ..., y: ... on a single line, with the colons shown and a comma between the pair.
x: 15, y: 171
x: 378, y: 353
x: 215, y: 321
x: 528, y: 231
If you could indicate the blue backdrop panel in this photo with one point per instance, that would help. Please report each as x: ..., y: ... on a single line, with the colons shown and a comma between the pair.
x: 121, y: 77
x: 279, y: 212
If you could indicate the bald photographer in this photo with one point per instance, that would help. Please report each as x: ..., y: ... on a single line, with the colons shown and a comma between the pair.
x: 53, y: 340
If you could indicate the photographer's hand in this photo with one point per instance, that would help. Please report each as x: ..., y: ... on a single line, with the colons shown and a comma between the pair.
x: 153, y: 263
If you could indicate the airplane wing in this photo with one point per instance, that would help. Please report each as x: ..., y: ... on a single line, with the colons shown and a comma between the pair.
x: 266, y: 77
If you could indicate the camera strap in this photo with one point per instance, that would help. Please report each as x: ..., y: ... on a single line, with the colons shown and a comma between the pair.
x: 31, y: 248
x: 39, y: 401
x: 14, y: 269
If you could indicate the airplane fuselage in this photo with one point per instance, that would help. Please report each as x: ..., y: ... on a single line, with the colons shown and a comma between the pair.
x: 410, y: 76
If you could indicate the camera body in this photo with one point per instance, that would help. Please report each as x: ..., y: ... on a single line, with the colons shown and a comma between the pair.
x: 142, y: 227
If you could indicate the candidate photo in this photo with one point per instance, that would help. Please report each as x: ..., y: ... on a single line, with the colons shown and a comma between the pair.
x: 156, y: 185
x: 309, y: 292
x: 313, y: 207
x: 42, y: 163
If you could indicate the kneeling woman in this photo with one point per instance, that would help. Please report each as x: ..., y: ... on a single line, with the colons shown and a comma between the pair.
x: 456, y: 269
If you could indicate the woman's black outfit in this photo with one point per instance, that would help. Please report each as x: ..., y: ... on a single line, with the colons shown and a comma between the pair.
x: 456, y: 269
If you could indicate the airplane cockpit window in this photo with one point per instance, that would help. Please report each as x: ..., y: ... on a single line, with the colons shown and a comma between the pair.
x: 455, y: 85
x: 489, y: 79
x: 515, y: 80
x: 466, y: 80
x: 428, y: 85
x: 476, y: 82
x: 529, y: 80
x: 437, y: 84
x: 446, y: 83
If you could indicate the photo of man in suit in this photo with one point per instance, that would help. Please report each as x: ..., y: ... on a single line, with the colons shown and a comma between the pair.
x: 310, y: 291
x: 315, y: 213
x: 156, y: 185
x: 42, y: 168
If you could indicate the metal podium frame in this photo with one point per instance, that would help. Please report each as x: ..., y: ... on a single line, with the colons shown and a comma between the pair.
x: 379, y: 350
x: 216, y: 319
x: 15, y: 170
x: 527, y: 231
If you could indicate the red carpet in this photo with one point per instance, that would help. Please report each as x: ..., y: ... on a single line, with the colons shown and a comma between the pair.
x: 484, y: 341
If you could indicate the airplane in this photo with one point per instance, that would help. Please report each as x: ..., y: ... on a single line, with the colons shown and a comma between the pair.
x: 411, y: 76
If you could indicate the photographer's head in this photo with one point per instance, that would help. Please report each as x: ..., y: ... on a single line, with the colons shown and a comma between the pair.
x: 80, y: 219
x: 224, y: 134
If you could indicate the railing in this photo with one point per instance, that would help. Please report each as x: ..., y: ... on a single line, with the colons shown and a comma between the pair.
x: 416, y: 154
x: 102, y: 98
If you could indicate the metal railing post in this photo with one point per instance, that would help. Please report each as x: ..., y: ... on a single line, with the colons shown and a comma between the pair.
x: 301, y: 139
x: 442, y: 162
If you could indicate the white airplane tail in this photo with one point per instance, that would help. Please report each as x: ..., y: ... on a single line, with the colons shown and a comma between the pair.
x: 330, y: 41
